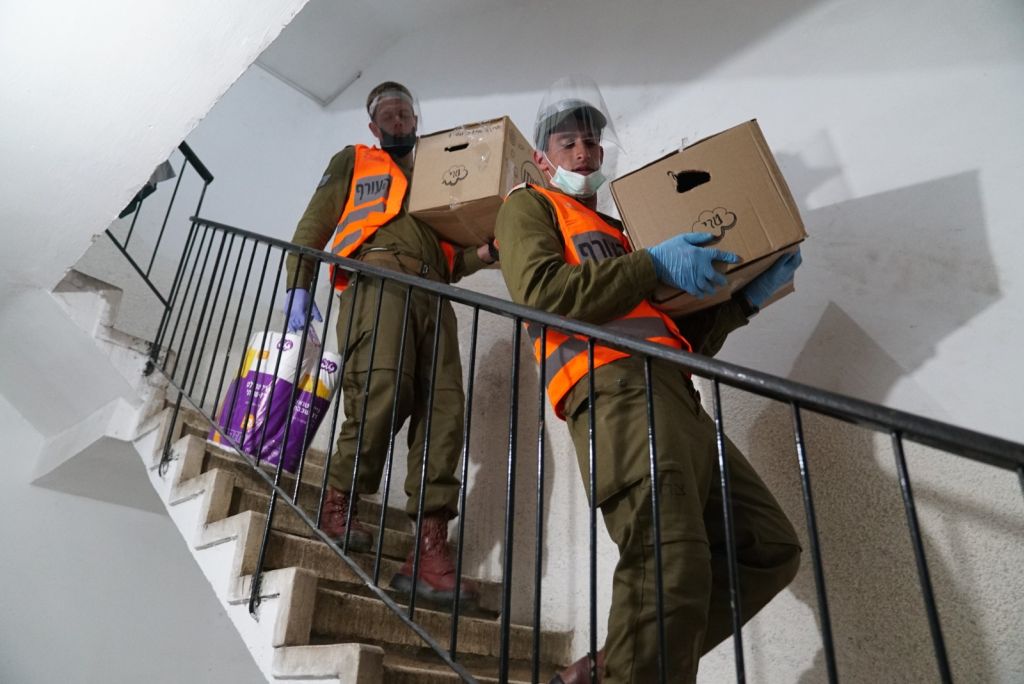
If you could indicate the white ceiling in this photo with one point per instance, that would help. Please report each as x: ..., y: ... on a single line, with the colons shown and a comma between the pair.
x: 328, y: 44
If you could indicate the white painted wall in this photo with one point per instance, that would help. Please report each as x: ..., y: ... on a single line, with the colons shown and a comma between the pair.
x: 96, y: 591
x: 896, y: 126
x: 94, y: 97
x: 105, y: 90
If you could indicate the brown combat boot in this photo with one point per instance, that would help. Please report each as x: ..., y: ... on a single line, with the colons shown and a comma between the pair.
x: 332, y: 521
x: 436, y: 580
x: 579, y: 672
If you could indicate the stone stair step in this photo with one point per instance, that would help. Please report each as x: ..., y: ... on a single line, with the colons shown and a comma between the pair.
x: 340, y: 616
x: 487, y: 608
x: 312, y: 473
x: 427, y: 668
x: 397, y: 543
x: 309, y: 493
x: 288, y: 550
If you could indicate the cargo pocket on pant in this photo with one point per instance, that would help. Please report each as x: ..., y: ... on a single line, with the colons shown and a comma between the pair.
x: 681, y: 517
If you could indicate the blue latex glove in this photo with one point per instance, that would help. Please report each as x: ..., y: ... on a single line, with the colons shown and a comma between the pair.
x: 681, y: 263
x: 298, y: 299
x: 778, y: 274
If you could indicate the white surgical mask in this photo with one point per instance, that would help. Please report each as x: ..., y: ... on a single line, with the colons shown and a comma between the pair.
x: 576, y: 184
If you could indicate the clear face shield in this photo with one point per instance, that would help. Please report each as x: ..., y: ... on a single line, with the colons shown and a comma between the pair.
x: 571, y: 129
x: 397, y: 115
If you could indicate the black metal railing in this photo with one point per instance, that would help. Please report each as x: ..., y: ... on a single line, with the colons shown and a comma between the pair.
x: 228, y: 288
x: 137, y: 256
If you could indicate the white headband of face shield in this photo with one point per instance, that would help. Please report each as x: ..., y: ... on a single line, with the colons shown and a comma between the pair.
x: 389, y: 95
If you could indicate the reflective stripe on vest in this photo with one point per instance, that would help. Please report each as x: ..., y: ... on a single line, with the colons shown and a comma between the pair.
x: 374, y: 198
x: 587, y: 236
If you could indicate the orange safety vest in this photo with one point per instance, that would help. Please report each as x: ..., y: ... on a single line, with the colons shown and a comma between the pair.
x: 375, y: 197
x: 587, y: 236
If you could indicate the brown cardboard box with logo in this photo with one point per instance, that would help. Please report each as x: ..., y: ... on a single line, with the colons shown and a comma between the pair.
x: 727, y: 184
x: 462, y: 175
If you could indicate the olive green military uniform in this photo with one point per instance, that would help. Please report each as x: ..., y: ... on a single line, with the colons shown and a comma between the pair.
x: 696, y: 584
x: 404, y: 244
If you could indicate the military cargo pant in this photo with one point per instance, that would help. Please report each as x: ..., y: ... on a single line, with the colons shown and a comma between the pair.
x: 412, y: 387
x: 695, y: 576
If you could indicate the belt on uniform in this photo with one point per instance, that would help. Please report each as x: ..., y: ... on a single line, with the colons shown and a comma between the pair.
x: 396, y: 261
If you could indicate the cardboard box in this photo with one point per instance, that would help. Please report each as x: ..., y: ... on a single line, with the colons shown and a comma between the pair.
x: 462, y: 175
x: 727, y: 184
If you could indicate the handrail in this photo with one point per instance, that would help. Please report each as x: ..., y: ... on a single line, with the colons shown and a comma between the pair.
x: 196, y: 163
x: 975, y: 445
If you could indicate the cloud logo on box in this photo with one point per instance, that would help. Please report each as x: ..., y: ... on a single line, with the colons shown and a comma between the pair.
x: 285, y: 345
x: 454, y: 174
x: 328, y: 366
x: 715, y: 221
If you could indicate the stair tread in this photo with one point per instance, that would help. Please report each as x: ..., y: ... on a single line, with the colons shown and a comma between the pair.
x: 485, y: 670
x: 286, y: 550
x: 309, y: 493
x: 397, y: 543
x: 347, y: 617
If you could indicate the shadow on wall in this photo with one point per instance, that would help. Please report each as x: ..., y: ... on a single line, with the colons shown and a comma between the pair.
x: 896, y: 272
x: 487, y: 497
x: 878, y: 618
x: 911, y: 266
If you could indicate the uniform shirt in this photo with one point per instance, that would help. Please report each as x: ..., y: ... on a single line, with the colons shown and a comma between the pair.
x: 596, y: 291
x: 404, y: 233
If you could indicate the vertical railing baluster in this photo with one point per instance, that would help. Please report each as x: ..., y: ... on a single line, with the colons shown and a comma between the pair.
x: 510, y: 505
x: 352, y: 494
x: 131, y: 228
x: 463, y: 483
x: 938, y: 643
x: 224, y: 320
x: 184, y: 299
x: 172, y: 297
x: 812, y: 533
x: 390, y: 454
x: 202, y: 313
x: 307, y: 438
x: 539, y: 547
x: 213, y: 306
x: 426, y: 457
x: 165, y: 455
x: 592, y: 520
x: 167, y: 215
x: 277, y: 362
x: 659, y: 583
x: 297, y: 378
x: 730, y: 537
x: 257, y: 576
x: 353, y: 287
x: 239, y: 386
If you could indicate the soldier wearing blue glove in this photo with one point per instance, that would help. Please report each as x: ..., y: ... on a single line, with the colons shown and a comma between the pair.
x: 771, y: 281
x: 683, y: 264
x: 560, y: 255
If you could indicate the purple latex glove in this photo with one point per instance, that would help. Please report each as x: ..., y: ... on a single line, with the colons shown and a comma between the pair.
x: 297, y: 299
